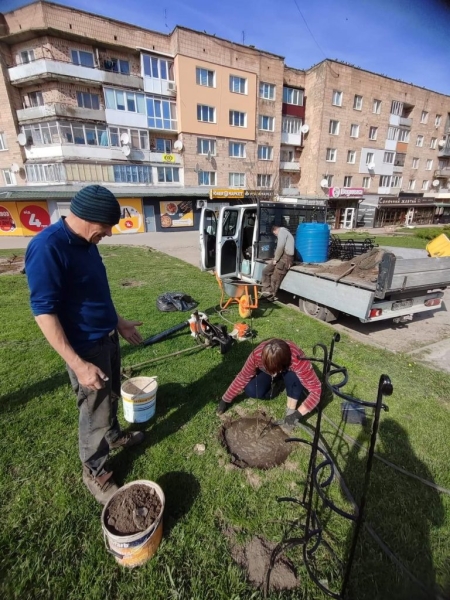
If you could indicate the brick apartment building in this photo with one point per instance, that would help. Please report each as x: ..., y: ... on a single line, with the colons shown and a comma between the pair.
x: 164, y: 119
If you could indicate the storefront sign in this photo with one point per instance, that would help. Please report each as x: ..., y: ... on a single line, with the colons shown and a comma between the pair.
x: 19, y: 218
x: 169, y: 158
x: 336, y: 192
x: 177, y: 213
x: 405, y: 201
x: 131, y: 217
x: 217, y: 194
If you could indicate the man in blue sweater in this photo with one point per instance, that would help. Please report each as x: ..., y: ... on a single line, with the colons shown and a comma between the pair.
x: 71, y: 302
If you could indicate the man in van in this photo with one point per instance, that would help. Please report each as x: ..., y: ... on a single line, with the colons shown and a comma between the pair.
x: 275, y: 271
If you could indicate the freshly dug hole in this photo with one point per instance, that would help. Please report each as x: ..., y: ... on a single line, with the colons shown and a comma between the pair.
x: 255, y: 441
x: 133, y: 510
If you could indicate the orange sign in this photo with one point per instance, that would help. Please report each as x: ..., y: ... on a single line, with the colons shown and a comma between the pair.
x: 131, y: 218
x: 23, y: 218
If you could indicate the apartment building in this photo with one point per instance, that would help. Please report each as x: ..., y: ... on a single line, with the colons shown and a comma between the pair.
x: 167, y: 121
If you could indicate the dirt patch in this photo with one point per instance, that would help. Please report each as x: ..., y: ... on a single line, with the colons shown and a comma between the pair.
x: 253, y: 479
x: 254, y: 558
x: 365, y: 266
x: 133, y: 510
x: 132, y: 283
x: 12, y: 265
x: 255, y: 441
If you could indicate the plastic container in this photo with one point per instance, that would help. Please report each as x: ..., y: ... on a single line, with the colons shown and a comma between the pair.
x: 440, y: 246
x: 134, y: 550
x: 312, y: 241
x: 139, y: 399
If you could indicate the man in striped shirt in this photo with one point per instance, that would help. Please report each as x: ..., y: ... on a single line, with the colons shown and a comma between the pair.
x: 272, y: 360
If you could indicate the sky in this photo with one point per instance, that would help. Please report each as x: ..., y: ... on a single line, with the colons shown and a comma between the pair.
x: 404, y: 39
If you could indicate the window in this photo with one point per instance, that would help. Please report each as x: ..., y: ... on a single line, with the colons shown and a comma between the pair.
x: 437, y: 120
x: 433, y: 143
x: 424, y: 117
x: 287, y: 156
x: 366, y: 183
x: 41, y: 134
x: 397, y: 181
x: 127, y: 101
x: 82, y: 58
x: 354, y: 130
x: 389, y: 157
x: 45, y: 173
x: 337, y: 98
x: 238, y: 119
x: 385, y: 181
x: 157, y: 68
x: 419, y: 141
x: 399, y: 160
x: 2, y: 142
x: 33, y: 99
x: 348, y: 181
x: 265, y: 152
x: 291, y: 125
x: 205, y: 77
x: 266, y: 123
x: 206, y: 146
x: 264, y: 181
x: 238, y: 85
x: 86, y: 100
x: 425, y: 184
x: 207, y: 178
x: 403, y: 135
x: 236, y: 180
x: 373, y: 132
x: 411, y: 184
x: 26, y: 56
x: 162, y: 145
x: 331, y: 155
x: 396, y: 108
x: 293, y: 96
x: 415, y: 163
x: 161, y: 114
x: 132, y: 174
x: 117, y: 65
x: 329, y: 179
x: 393, y: 133
x: 333, y: 128
x: 357, y: 102
x: 376, y: 107
x: 370, y: 158
x: 236, y: 149
x: 9, y: 177
x: 429, y: 165
x: 168, y: 174
x: 351, y: 157
x: 267, y: 91
x: 206, y: 114
x: 286, y: 182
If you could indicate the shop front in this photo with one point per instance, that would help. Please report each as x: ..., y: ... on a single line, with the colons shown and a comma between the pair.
x: 405, y: 210
x: 343, y: 205
x: 442, y: 212
x: 23, y: 218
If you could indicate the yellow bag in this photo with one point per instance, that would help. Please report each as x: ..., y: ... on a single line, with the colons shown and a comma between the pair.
x: 440, y: 246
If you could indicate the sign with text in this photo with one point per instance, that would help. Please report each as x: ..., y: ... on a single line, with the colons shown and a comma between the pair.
x: 217, y: 194
x: 405, y: 201
x: 343, y: 192
x: 21, y: 218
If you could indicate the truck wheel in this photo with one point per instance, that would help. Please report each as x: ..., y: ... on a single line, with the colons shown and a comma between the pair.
x: 313, y: 309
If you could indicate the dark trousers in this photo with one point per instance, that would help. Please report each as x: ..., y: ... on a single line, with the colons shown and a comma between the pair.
x: 98, y: 425
x: 273, y: 275
x: 260, y: 386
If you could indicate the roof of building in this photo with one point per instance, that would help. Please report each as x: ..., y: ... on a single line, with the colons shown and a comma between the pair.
x: 65, y: 192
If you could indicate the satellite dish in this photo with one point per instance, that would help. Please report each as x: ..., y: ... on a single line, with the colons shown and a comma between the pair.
x: 324, y: 183
x: 441, y: 144
x: 15, y: 168
x: 124, y: 138
x: 126, y: 150
x: 371, y: 166
x: 22, y: 139
x: 435, y: 182
x: 304, y: 128
x: 178, y: 146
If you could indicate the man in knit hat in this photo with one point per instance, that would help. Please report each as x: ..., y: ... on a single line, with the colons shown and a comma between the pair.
x: 71, y: 302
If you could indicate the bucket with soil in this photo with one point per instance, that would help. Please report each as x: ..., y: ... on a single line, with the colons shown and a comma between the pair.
x: 132, y: 522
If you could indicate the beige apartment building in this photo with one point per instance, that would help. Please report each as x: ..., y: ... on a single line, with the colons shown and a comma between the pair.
x: 170, y: 120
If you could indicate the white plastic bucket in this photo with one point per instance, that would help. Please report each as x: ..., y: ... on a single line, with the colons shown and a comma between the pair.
x: 139, y: 399
x: 134, y: 550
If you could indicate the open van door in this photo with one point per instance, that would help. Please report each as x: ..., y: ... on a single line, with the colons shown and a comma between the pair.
x: 228, y: 245
x: 208, y: 236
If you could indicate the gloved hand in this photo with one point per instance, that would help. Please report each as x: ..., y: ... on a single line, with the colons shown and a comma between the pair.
x: 292, y: 419
x: 223, y: 406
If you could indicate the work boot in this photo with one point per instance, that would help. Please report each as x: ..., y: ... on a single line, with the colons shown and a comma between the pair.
x: 128, y: 439
x: 101, y: 487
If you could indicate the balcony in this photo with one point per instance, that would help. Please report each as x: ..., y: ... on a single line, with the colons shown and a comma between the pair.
x: 161, y: 87
x: 444, y: 172
x: 58, y: 109
x: 290, y: 191
x: 291, y: 139
x: 43, y: 68
x: 290, y: 166
x: 445, y: 151
x: 405, y: 122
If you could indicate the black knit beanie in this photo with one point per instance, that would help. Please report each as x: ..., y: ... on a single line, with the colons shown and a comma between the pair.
x: 96, y: 204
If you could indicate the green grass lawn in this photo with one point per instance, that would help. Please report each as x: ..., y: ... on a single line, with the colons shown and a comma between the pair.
x: 51, y: 544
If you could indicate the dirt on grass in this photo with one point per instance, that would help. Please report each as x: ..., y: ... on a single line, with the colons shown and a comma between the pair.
x: 11, y: 265
x: 133, y: 510
x: 131, y: 283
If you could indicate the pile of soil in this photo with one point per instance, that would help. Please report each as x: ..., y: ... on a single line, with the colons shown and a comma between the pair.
x: 13, y: 265
x: 255, y: 441
x: 366, y: 266
x: 133, y: 510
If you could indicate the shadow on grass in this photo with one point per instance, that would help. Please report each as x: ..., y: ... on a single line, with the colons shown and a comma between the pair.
x: 181, y: 489
x: 14, y: 401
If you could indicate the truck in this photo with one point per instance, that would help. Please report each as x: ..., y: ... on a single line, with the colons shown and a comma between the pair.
x: 237, y: 242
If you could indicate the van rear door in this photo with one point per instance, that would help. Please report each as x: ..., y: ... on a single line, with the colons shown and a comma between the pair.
x: 208, y: 236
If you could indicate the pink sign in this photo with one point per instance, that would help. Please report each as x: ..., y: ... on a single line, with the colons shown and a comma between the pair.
x: 336, y: 192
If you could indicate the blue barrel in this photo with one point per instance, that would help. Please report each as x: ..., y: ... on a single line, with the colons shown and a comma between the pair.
x: 312, y: 241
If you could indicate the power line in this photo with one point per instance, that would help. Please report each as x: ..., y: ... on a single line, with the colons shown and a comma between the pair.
x: 307, y: 27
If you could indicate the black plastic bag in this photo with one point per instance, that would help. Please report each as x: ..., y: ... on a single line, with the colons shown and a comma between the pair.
x: 172, y: 301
